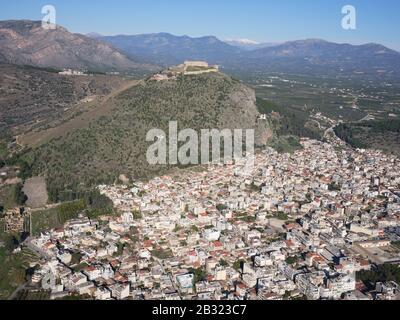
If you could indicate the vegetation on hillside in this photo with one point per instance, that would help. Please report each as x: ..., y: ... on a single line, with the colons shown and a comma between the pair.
x: 116, y: 144
x: 285, y: 144
x: 14, y: 266
x: 381, y: 273
x: 33, y: 98
x: 290, y: 121
x: 92, y: 204
x: 384, y: 135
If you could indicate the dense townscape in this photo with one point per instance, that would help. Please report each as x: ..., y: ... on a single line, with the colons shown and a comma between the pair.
x: 295, y: 226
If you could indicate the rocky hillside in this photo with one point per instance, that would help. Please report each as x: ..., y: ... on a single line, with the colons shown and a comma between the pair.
x: 31, y: 98
x: 25, y: 42
x: 114, y: 144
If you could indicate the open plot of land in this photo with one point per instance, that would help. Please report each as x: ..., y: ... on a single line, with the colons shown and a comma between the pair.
x: 35, y: 189
x: 31, y: 295
x: 7, y: 196
x: 377, y: 255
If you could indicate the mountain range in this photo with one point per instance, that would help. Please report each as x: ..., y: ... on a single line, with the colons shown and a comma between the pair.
x: 166, y: 49
x: 310, y: 56
x: 322, y: 57
x: 26, y: 43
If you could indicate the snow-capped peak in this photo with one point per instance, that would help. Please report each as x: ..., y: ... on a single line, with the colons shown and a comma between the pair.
x: 243, y: 41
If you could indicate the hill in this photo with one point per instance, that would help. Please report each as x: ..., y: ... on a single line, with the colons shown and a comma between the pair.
x: 375, y: 134
x: 25, y: 42
x: 31, y: 98
x: 114, y: 143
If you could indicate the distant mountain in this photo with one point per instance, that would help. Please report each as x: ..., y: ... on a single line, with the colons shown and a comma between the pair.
x: 93, y: 35
x: 167, y: 49
x: 320, y: 57
x: 25, y: 42
x: 312, y: 56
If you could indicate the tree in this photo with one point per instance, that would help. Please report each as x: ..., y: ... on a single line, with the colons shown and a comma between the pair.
x: 199, y: 274
x: 25, y: 170
x: 96, y: 200
x: 282, y: 216
x: 382, y: 273
x: 223, y: 263
x: 137, y: 215
x: 221, y: 207
x: 20, y: 197
x: 292, y: 260
x: 237, y: 265
x: 11, y: 242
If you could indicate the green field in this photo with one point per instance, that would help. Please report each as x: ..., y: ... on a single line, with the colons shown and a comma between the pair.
x: 8, y: 197
x: 33, y: 295
x: 13, y: 266
x: 92, y: 205
x: 3, y: 150
x: 56, y: 217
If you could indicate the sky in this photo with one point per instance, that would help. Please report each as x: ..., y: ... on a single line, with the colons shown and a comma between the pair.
x: 259, y: 20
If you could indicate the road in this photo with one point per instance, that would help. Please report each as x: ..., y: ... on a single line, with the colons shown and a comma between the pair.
x: 17, y: 291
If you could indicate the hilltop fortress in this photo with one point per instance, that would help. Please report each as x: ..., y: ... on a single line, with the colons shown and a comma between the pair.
x: 187, y: 68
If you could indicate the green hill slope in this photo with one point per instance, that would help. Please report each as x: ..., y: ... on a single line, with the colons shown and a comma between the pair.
x: 115, y: 143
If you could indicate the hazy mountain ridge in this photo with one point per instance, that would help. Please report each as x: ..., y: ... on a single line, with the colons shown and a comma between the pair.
x: 167, y: 49
x: 314, y: 56
x: 323, y: 57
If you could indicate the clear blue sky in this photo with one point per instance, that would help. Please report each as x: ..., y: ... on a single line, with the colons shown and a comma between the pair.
x: 260, y: 20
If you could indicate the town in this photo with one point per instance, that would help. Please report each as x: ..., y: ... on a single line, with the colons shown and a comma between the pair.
x: 297, y: 226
